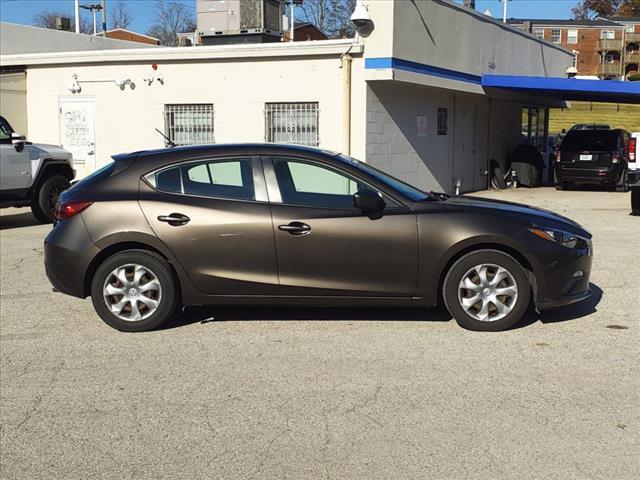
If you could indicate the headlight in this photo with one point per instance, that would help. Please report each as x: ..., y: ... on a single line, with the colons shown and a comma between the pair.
x: 567, y: 239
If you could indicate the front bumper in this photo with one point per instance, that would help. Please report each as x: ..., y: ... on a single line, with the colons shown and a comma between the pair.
x: 565, y: 280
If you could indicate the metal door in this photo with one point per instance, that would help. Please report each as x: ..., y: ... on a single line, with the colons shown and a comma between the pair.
x: 77, y: 132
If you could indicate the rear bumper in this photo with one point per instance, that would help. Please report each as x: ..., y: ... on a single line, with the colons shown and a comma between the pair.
x: 68, y: 251
x: 593, y: 176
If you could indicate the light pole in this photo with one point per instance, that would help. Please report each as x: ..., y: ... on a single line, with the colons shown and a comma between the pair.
x: 504, y: 10
x: 93, y: 8
x: 293, y: 4
x: 77, y: 14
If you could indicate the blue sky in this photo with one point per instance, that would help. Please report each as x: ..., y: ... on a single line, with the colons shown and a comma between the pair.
x: 22, y: 11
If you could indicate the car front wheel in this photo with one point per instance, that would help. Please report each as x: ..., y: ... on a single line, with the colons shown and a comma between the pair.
x: 487, y: 290
x: 134, y: 291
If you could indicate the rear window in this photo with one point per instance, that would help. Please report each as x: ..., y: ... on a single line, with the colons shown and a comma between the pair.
x: 591, y: 140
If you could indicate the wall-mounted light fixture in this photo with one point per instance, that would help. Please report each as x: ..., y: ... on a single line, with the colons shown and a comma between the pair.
x: 153, y: 75
x: 76, y: 87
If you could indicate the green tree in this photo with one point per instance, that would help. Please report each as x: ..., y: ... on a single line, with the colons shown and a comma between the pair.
x: 589, y: 9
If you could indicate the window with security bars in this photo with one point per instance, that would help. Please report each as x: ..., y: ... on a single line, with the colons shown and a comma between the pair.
x: 292, y: 123
x: 189, y: 124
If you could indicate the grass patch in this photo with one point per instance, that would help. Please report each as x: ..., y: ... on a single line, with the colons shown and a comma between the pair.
x: 613, y: 114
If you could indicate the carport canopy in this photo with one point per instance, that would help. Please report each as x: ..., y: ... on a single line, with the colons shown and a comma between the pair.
x: 565, y: 89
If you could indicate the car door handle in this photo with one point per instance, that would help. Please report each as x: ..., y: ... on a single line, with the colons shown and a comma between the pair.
x: 296, y: 228
x: 175, y: 219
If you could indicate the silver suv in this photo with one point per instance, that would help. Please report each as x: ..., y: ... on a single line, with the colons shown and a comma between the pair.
x: 32, y: 174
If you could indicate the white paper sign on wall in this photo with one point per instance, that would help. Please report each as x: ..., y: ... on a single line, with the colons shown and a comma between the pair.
x: 421, y: 125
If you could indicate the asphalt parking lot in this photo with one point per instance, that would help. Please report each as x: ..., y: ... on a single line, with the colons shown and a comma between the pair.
x: 347, y: 394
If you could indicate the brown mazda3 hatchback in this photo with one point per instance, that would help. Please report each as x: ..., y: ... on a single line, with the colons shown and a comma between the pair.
x: 272, y: 224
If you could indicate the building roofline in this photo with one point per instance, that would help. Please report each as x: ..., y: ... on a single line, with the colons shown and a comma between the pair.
x: 551, y: 22
x: 172, y: 54
x: 128, y: 31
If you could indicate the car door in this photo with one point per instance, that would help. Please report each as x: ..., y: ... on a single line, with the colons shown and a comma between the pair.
x: 214, y: 216
x: 327, y: 247
x: 15, y: 161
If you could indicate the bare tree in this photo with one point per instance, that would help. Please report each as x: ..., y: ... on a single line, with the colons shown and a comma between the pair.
x: 47, y: 19
x: 330, y: 16
x: 119, y: 15
x: 171, y: 18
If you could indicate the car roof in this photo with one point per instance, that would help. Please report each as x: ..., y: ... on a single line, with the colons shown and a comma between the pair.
x: 224, y: 147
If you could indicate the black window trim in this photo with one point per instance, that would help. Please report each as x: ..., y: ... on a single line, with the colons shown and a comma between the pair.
x: 260, y: 189
x: 275, y: 195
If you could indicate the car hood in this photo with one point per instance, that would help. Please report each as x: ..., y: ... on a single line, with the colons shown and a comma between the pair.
x: 41, y: 150
x: 529, y: 215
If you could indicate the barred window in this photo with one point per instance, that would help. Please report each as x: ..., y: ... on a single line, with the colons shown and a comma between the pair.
x: 189, y: 124
x: 292, y: 123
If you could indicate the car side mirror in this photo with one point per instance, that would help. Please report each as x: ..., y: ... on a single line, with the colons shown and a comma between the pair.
x: 369, y: 202
x: 18, y: 141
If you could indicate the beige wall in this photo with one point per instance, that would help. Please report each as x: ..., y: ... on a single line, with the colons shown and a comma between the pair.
x: 13, y: 100
x: 125, y: 120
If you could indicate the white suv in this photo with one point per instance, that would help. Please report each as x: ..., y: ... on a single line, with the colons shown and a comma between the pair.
x: 32, y: 174
x: 633, y: 172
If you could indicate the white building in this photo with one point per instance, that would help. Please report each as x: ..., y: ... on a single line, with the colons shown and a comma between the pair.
x: 408, y: 98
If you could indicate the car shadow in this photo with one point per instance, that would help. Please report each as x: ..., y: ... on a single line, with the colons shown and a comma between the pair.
x: 205, y: 314
x: 19, y: 220
x: 564, y: 314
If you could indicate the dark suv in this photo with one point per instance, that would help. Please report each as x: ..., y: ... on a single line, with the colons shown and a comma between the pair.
x: 273, y: 224
x: 596, y: 157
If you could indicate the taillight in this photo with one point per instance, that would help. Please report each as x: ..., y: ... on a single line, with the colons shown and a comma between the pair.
x: 632, y: 149
x: 558, y: 156
x: 66, y: 210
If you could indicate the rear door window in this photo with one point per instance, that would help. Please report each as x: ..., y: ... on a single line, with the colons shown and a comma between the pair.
x: 225, y: 178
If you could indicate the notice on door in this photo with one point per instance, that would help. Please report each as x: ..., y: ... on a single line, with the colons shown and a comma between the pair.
x: 421, y: 125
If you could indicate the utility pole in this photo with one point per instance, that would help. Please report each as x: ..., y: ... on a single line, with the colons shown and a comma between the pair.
x: 77, y: 15
x: 104, y: 15
x: 504, y: 12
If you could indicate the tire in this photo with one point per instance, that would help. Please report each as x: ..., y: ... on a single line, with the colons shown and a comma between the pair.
x: 134, y: 262
x: 46, y: 195
x: 561, y: 186
x: 497, y: 179
x: 515, y: 301
x: 635, y: 201
x: 623, y: 184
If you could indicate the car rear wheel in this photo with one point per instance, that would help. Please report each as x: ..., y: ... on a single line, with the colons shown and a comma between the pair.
x: 487, y: 290
x: 134, y: 291
x: 45, y: 198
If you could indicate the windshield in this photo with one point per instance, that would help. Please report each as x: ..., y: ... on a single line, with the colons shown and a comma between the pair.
x: 409, y: 191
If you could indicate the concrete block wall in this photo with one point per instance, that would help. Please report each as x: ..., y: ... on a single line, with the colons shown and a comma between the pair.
x: 392, y: 141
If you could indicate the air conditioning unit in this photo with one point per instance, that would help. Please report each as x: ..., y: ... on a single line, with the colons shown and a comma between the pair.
x: 63, y: 23
x: 244, y: 21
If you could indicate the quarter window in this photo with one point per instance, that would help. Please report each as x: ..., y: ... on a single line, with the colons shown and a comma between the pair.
x: 556, y: 35
x: 189, y: 124
x: 292, y: 123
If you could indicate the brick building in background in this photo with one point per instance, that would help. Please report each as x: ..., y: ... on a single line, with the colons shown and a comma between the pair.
x: 607, y: 48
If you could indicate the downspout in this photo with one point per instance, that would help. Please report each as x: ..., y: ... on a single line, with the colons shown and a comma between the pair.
x: 346, y: 106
